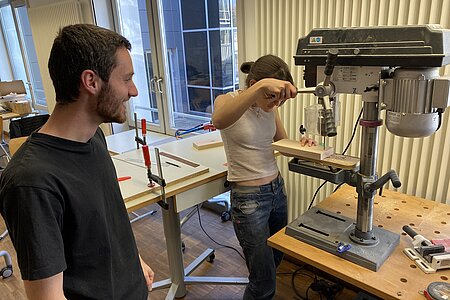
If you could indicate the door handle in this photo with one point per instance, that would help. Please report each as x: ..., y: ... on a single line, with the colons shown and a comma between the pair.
x: 159, y: 84
x: 153, y: 84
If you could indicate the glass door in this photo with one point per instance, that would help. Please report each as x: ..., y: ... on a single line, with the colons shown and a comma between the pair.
x: 133, y: 22
x: 184, y: 55
x: 198, y: 42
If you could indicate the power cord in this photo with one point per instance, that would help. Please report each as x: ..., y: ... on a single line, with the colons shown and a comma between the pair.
x: 315, y: 194
x: 222, y: 245
x: 297, y: 293
x: 343, y: 153
x: 354, y: 131
x: 328, y: 289
x: 321, y: 286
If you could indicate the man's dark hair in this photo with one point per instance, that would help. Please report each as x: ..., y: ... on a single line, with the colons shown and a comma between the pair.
x: 78, y: 48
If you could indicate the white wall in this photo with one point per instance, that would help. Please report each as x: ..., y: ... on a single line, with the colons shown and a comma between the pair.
x: 46, y: 18
x: 86, y: 7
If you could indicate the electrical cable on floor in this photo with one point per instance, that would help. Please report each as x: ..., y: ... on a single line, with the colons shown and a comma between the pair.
x: 225, y: 246
x: 294, y: 274
x: 343, y: 153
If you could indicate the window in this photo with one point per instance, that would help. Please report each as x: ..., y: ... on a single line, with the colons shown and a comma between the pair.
x: 190, y: 51
x: 21, y: 53
x: 210, y: 45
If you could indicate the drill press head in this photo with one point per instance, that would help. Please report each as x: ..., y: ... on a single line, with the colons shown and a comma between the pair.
x: 400, y: 62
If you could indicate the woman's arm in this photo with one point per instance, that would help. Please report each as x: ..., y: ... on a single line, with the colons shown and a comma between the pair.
x: 281, y: 132
x: 268, y: 92
x: 228, y: 109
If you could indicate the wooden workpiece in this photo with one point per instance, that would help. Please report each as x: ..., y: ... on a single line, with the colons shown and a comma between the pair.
x: 294, y: 148
x: 344, y: 162
x: 398, y: 277
x: 316, y: 154
x: 201, y: 145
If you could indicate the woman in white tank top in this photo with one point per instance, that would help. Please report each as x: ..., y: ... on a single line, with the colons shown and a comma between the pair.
x: 249, y: 122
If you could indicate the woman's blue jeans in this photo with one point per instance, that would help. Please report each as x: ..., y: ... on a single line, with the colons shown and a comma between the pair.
x: 257, y: 213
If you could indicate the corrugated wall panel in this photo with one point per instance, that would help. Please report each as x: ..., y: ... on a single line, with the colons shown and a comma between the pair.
x: 45, y: 23
x: 422, y: 164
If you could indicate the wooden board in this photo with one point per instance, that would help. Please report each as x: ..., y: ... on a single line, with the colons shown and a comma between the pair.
x: 340, y: 161
x: 201, y: 145
x: 174, y: 172
x: 294, y: 148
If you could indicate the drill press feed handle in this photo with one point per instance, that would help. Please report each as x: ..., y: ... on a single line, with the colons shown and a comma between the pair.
x: 391, y: 175
x: 329, y: 64
x: 325, y: 91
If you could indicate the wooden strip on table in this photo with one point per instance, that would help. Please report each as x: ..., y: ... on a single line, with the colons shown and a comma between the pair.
x: 207, y: 144
x: 179, y: 159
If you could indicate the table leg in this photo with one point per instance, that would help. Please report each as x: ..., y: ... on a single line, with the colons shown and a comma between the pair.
x: 172, y: 232
x: 178, y: 274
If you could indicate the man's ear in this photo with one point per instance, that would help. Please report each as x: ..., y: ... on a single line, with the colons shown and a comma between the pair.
x: 90, y: 82
x: 251, y: 82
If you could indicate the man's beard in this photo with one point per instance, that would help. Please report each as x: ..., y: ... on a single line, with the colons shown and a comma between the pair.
x: 109, y: 106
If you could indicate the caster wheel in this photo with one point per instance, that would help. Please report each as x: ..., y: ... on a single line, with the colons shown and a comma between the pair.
x: 211, y: 258
x: 6, y: 272
x: 226, y: 216
x: 183, y: 246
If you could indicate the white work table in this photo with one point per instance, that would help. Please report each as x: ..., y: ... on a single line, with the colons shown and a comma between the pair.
x: 123, y: 142
x: 190, y: 191
x: 181, y: 195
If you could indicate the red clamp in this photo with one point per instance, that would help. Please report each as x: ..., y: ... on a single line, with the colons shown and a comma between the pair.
x: 209, y: 126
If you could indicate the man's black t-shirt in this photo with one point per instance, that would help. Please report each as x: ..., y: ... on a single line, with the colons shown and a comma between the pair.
x: 64, y: 211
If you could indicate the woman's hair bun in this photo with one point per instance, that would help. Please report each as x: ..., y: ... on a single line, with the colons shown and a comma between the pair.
x: 246, y: 66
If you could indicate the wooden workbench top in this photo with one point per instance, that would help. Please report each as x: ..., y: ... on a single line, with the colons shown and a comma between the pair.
x: 398, y: 277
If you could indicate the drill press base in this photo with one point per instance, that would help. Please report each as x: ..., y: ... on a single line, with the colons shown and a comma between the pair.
x: 331, y: 232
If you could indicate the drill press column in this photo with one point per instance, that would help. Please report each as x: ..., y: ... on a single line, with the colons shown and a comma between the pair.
x: 369, y: 144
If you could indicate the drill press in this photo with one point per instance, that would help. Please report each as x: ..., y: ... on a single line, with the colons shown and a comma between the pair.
x: 395, y: 68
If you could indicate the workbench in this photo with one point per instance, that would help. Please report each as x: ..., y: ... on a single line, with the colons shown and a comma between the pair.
x: 398, y: 277
x: 180, y: 196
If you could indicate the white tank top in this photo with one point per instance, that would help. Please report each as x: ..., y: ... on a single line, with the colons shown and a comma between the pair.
x: 248, y: 145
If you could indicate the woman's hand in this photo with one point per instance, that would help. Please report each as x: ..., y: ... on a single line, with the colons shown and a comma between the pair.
x: 274, y: 92
x: 307, y: 141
